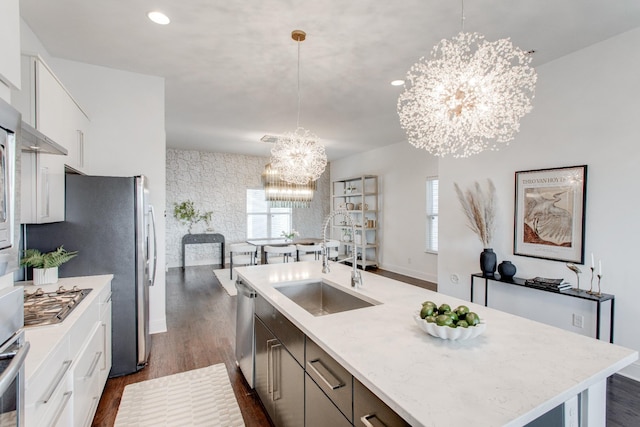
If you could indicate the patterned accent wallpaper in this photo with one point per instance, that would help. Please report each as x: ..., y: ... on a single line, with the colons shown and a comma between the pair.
x: 218, y: 182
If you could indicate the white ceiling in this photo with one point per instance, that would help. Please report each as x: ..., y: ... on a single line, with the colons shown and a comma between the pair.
x: 230, y: 66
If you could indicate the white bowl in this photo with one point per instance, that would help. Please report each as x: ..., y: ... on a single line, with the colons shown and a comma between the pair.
x: 447, y: 333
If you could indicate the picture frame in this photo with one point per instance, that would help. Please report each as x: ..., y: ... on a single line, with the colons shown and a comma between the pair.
x: 549, y: 214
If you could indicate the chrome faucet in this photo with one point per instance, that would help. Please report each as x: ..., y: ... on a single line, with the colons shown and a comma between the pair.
x: 356, y: 277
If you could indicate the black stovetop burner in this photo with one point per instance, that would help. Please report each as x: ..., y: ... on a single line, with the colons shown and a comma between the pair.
x: 48, y: 308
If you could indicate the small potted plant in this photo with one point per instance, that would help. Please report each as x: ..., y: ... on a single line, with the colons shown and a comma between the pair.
x: 45, y: 266
x: 186, y: 213
x: 290, y: 235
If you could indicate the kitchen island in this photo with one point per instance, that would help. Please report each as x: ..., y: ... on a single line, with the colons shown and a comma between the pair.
x: 515, y: 372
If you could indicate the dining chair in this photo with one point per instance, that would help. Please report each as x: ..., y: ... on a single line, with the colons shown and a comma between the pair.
x: 241, y: 254
x: 309, y: 252
x: 333, y: 246
x: 279, y: 254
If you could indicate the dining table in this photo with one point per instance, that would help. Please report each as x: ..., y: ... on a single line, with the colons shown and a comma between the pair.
x: 280, y: 241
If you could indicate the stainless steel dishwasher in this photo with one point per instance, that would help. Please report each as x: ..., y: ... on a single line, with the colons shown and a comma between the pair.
x: 245, y: 348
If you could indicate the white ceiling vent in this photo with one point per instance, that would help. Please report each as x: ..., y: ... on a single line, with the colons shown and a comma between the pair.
x: 272, y: 139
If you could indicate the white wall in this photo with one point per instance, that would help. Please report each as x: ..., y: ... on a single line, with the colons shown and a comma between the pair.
x: 126, y: 135
x: 585, y: 112
x: 402, y: 172
x: 217, y: 182
x: 126, y: 138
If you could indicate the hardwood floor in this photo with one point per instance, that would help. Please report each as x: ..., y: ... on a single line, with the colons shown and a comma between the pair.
x: 201, y: 332
x: 201, y: 327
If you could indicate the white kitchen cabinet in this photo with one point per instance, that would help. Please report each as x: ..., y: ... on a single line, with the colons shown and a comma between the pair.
x: 65, y: 389
x: 10, y: 36
x: 49, y: 107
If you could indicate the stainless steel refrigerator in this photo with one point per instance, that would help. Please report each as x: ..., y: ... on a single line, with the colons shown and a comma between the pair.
x: 110, y: 222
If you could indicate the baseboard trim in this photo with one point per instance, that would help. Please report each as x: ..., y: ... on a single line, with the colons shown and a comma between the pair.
x: 158, y: 326
x: 409, y: 272
x: 632, y: 371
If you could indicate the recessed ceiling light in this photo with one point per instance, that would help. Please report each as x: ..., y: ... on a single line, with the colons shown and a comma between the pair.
x: 397, y: 83
x: 159, y: 17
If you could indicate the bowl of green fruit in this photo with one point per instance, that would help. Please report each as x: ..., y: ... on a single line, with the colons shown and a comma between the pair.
x: 442, y: 321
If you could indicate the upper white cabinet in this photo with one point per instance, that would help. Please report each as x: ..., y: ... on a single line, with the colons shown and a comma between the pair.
x: 49, y: 107
x: 10, y: 36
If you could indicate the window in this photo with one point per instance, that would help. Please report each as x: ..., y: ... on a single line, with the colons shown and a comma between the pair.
x: 263, y: 221
x: 432, y: 214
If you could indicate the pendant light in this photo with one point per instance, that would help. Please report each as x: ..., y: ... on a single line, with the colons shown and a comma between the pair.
x: 469, y: 96
x: 299, y: 156
x: 282, y: 194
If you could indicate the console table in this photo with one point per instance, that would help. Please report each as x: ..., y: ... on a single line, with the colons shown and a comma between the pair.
x: 582, y: 294
x: 193, y: 239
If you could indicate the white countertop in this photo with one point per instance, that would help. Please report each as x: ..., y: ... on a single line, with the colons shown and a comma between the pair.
x: 43, y: 339
x: 512, y: 374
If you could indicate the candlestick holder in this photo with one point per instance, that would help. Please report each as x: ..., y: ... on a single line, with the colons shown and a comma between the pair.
x: 590, y: 291
x: 599, y: 293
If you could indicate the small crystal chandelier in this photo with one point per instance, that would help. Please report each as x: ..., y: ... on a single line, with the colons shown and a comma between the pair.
x: 299, y: 156
x: 282, y: 194
x: 468, y: 97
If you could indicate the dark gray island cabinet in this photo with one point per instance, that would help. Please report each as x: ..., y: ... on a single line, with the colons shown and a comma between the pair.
x: 299, y: 384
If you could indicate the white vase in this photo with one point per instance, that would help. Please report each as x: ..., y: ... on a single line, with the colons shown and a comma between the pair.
x: 45, y: 276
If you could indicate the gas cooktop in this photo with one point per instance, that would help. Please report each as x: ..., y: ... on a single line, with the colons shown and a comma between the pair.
x: 48, y: 308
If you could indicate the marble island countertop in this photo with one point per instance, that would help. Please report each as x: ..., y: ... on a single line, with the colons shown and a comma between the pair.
x: 513, y: 373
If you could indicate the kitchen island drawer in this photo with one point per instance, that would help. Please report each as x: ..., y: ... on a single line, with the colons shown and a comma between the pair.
x: 331, y: 377
x: 319, y: 409
x: 288, y: 334
x: 369, y: 410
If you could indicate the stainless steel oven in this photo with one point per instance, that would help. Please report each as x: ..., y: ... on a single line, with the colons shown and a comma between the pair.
x: 13, y: 353
x: 9, y: 125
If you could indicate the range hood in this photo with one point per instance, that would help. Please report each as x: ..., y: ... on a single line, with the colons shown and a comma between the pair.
x: 34, y: 141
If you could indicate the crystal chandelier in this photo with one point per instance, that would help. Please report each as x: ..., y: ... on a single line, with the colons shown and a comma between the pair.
x: 282, y: 194
x: 299, y: 156
x: 468, y: 97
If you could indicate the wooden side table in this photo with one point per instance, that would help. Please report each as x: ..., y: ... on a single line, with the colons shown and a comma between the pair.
x: 194, y: 239
x: 582, y: 294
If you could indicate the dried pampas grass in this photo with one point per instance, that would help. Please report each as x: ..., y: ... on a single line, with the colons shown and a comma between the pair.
x: 480, y: 209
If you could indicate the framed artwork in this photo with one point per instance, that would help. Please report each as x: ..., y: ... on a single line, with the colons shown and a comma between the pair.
x: 550, y: 213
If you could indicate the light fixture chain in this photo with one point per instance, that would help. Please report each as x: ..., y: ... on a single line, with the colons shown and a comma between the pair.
x: 462, y: 16
x: 298, y: 121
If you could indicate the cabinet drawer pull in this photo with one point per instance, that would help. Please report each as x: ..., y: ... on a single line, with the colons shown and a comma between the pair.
x: 323, y: 372
x: 60, y: 410
x: 54, y: 385
x: 270, y: 366
x: 92, y: 411
x: 365, y: 420
x: 94, y: 365
x: 276, y: 349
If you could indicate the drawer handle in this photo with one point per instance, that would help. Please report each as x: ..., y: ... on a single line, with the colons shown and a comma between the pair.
x: 365, y: 420
x: 60, y: 410
x: 94, y: 365
x: 270, y: 366
x: 334, y: 384
x: 92, y: 412
x: 59, y: 376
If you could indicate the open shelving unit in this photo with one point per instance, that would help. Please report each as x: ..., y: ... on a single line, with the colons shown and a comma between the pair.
x: 359, y: 196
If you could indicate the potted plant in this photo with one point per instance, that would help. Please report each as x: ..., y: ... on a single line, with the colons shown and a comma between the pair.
x: 290, y: 235
x: 45, y: 265
x: 186, y: 213
x: 480, y: 209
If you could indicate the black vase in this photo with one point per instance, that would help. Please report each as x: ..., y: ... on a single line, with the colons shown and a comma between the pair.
x: 488, y: 262
x: 507, y: 270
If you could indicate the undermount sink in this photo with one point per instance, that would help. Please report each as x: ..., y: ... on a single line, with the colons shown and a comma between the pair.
x: 321, y: 298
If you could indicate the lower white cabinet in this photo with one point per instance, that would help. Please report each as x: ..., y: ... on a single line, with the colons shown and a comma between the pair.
x: 47, y: 398
x: 66, y: 389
